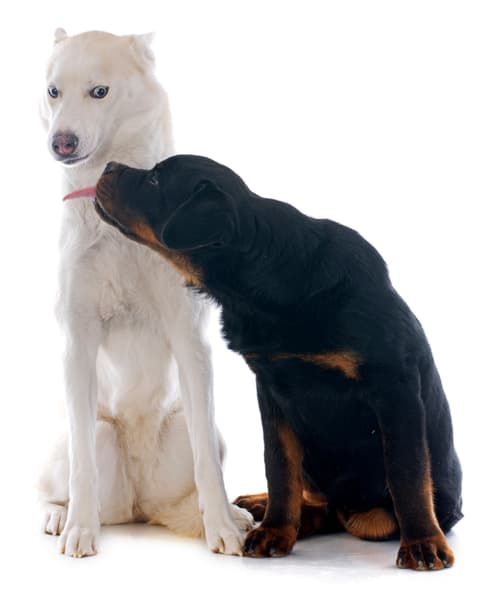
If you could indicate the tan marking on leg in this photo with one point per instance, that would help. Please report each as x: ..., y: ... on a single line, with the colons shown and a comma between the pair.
x: 428, y: 495
x: 419, y: 515
x: 278, y: 532
x: 314, y: 498
x: 294, y: 457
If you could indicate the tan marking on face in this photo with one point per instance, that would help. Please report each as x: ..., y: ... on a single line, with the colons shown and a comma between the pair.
x: 138, y: 230
x: 180, y: 262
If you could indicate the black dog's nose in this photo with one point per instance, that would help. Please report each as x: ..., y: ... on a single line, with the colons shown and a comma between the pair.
x: 111, y: 166
x: 64, y: 144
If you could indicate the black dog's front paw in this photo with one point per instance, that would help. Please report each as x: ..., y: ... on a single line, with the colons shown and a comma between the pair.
x: 427, y: 554
x: 270, y: 541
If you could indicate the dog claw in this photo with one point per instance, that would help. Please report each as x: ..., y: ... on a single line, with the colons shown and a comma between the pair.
x: 269, y: 541
x: 430, y: 554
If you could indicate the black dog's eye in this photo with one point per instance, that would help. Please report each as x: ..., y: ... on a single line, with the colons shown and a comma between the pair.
x: 152, y: 179
x: 53, y: 91
x: 100, y: 91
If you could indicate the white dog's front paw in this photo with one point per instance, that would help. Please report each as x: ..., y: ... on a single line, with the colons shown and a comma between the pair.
x: 79, y: 540
x: 242, y: 518
x: 223, y: 535
x: 55, y: 518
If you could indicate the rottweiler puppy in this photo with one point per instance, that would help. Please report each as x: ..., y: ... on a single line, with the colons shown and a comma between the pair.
x: 357, y: 428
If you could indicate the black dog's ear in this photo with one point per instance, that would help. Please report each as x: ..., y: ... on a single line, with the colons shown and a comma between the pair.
x: 207, y: 218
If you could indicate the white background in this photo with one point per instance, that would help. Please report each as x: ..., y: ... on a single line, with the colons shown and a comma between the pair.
x: 364, y: 112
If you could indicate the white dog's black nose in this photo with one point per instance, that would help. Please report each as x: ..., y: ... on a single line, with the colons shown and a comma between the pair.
x: 111, y: 166
x: 64, y: 144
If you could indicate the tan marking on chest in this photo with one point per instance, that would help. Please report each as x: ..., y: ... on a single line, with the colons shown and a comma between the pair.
x: 347, y: 362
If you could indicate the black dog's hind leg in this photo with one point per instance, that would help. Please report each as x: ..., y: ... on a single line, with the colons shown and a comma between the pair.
x: 401, y: 417
x: 316, y: 515
x: 256, y: 504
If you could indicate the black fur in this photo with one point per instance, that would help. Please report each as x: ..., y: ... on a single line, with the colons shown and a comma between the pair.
x: 289, y: 284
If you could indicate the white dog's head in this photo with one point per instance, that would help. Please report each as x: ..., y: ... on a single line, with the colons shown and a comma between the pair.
x: 97, y: 84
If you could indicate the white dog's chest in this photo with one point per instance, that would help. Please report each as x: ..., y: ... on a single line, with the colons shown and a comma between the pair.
x: 135, y: 291
x: 135, y: 294
x: 105, y: 273
x: 113, y: 301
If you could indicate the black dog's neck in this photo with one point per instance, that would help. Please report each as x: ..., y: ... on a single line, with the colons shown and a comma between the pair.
x: 251, y: 268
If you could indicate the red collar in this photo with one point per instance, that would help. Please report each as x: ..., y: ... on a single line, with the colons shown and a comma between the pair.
x: 83, y: 193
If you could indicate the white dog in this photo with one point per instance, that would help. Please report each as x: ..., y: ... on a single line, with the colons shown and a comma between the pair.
x: 142, y: 439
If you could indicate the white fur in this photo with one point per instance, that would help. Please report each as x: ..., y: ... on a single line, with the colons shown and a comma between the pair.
x: 142, y: 439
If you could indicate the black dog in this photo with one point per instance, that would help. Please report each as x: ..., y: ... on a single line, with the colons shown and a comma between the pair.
x: 357, y: 428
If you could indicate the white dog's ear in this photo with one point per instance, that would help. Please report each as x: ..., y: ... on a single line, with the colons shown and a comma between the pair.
x: 59, y: 35
x: 141, y: 45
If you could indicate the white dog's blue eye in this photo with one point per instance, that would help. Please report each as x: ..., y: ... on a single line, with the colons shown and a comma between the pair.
x: 53, y: 92
x: 100, y: 91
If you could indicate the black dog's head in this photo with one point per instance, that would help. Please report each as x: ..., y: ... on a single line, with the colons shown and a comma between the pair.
x: 202, y: 217
x: 180, y: 205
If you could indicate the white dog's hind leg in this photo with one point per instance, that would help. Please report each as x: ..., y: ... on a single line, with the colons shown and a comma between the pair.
x: 53, y: 488
x: 55, y: 517
x: 116, y: 495
x: 185, y: 518
x: 178, y: 506
x: 116, y: 491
